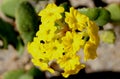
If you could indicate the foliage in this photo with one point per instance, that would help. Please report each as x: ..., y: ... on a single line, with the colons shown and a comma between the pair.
x: 7, y: 33
x: 100, y: 15
x: 108, y: 36
x: 15, y: 74
x: 114, y: 9
x: 9, y: 6
x: 22, y: 74
x: 26, y: 21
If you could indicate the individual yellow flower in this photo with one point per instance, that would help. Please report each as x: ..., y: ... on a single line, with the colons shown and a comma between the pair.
x: 53, y: 50
x: 75, y: 20
x: 78, y: 41
x: 39, y: 51
x: 39, y: 57
x: 90, y: 51
x: 70, y: 63
x: 93, y: 42
x: 67, y: 41
x: 51, y: 13
x: 34, y: 48
x: 72, y: 42
x: 93, y: 32
x: 57, y: 49
x: 75, y: 71
x: 47, y: 31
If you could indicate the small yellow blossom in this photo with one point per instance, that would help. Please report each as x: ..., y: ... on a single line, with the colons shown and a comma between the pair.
x: 90, y: 51
x: 39, y: 51
x: 75, y: 71
x: 51, y: 13
x: 72, y: 41
x: 75, y: 20
x: 91, y: 45
x: 70, y: 63
x: 46, y: 32
x: 57, y: 50
x: 34, y: 52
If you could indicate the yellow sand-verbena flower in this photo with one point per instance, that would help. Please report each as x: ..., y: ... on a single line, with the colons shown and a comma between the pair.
x: 70, y: 64
x: 35, y: 52
x: 51, y: 13
x: 60, y: 38
x: 46, y: 32
x: 75, y: 20
x: 40, y: 50
x: 57, y: 50
x: 91, y: 46
x: 72, y: 42
x: 75, y: 71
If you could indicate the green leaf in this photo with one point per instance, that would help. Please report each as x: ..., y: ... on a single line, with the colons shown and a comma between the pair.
x: 4, y: 42
x: 100, y: 15
x: 7, y: 34
x: 27, y: 21
x: 26, y: 76
x: 15, y: 74
x: 114, y: 10
x: 34, y: 72
x: 8, y: 7
x: 108, y: 36
x: 65, y: 5
x: 92, y: 13
x: 20, y: 46
x: 103, y: 18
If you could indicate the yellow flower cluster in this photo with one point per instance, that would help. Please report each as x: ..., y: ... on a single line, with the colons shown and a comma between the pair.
x: 61, y: 35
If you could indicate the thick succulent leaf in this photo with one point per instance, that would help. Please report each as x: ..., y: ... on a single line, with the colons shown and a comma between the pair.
x: 26, y: 76
x: 15, y: 74
x: 7, y: 34
x: 100, y: 15
x: 27, y: 21
x: 114, y: 10
x: 8, y: 7
x: 108, y: 36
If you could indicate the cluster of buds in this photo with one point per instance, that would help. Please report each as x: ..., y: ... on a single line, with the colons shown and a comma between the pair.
x: 60, y: 37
